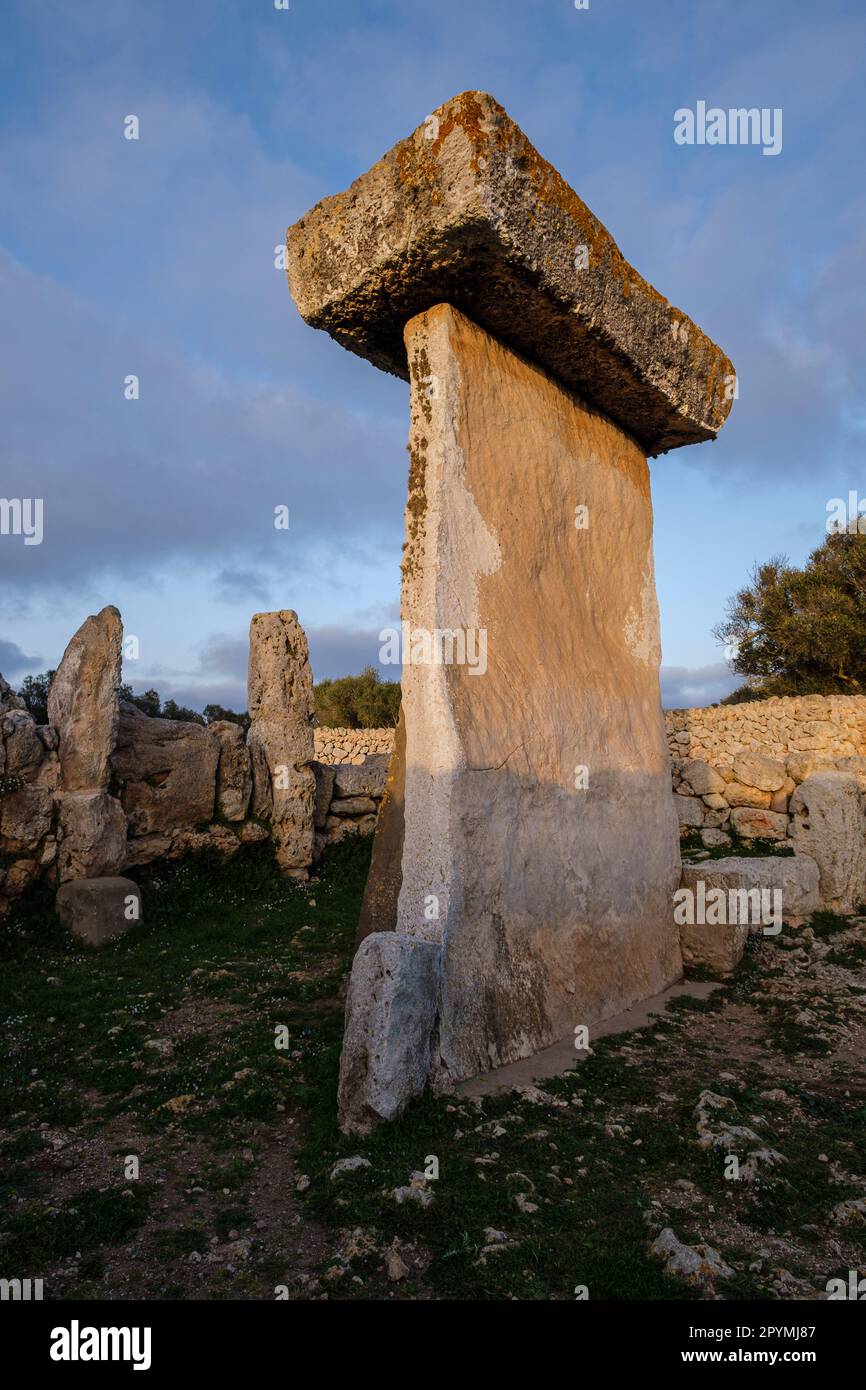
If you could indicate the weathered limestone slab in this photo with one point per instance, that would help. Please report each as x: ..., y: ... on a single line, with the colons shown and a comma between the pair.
x: 828, y: 823
x: 703, y: 779
x: 553, y: 903
x: 24, y: 748
x: 717, y: 947
x: 83, y: 703
x: 362, y: 779
x: 759, y: 892
x: 234, y: 774
x: 167, y: 769
x: 753, y: 770
x: 83, y: 708
x: 25, y: 817
x: 280, y: 692
x: 97, y: 910
x: 92, y: 834
x: 465, y: 211
x: 390, y: 1018
x: 795, y: 876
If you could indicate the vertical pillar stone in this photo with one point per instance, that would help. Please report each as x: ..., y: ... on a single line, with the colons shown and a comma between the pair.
x: 538, y: 810
x: 83, y: 707
x: 280, y: 738
x: 534, y: 849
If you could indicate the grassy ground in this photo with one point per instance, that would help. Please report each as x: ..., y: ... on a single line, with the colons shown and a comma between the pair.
x: 155, y: 1142
x: 692, y: 845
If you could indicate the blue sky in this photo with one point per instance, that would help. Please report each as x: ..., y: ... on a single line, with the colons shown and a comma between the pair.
x: 156, y: 257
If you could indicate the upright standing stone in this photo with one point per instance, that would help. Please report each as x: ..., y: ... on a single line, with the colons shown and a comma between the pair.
x: 537, y: 840
x: 280, y: 693
x: 553, y: 898
x: 83, y: 707
x: 83, y: 702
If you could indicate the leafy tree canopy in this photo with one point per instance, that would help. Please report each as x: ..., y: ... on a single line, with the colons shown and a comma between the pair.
x: 801, y: 631
x: 357, y: 702
x: 34, y: 693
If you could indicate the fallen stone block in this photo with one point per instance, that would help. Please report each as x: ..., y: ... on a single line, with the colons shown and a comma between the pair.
x: 97, y: 910
x: 717, y: 947
x: 731, y: 897
x: 364, y: 779
x: 390, y: 1019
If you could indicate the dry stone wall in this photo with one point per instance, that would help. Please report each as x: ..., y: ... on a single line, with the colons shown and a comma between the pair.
x: 105, y: 788
x: 834, y: 724
x: 736, y: 768
x: 351, y: 745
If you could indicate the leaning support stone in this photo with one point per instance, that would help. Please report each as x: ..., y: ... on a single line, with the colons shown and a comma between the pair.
x: 280, y: 738
x: 532, y: 840
x: 390, y: 1022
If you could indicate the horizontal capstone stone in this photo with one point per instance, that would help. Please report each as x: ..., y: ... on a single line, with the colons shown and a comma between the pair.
x: 466, y: 212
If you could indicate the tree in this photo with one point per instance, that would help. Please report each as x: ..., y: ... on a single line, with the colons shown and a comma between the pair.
x: 357, y: 702
x: 34, y: 693
x: 148, y: 703
x: 172, y: 710
x: 801, y: 631
x: 213, y: 713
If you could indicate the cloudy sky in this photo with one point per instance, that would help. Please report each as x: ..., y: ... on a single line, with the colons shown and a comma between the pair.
x: 155, y: 257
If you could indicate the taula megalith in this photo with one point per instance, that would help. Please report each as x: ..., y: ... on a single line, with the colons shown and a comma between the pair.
x: 526, y: 856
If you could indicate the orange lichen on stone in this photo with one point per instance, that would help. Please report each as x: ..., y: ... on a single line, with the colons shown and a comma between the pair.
x: 465, y: 211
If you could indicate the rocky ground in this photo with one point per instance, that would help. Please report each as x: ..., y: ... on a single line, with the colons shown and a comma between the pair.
x: 167, y: 1122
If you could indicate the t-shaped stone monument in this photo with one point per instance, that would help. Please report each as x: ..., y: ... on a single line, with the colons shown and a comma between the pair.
x: 527, y: 850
